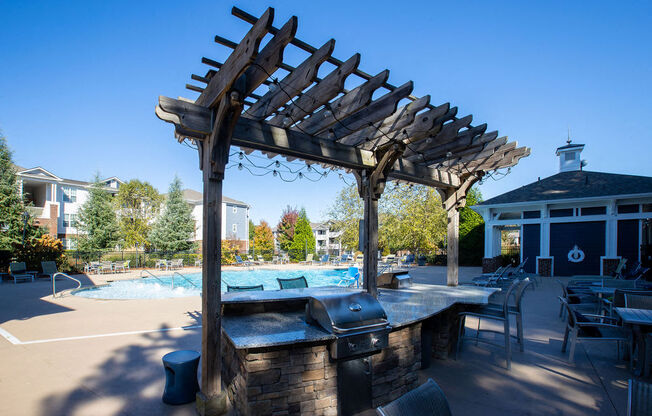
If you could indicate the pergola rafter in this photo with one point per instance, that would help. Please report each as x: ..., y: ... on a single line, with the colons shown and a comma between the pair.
x: 317, y: 120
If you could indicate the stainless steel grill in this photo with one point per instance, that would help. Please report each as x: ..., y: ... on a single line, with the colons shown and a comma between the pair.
x: 357, y: 319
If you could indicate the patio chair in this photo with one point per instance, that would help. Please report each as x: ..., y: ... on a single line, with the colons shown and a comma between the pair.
x: 122, y: 266
x: 352, y: 278
x: 591, y: 327
x: 638, y: 300
x: 577, y: 297
x: 308, y: 259
x: 631, y: 272
x: 252, y: 261
x: 407, y: 260
x: 106, y: 267
x: 198, y: 263
x: 639, y: 398
x: 493, y: 279
x: 240, y: 262
x: 292, y: 283
x: 618, y: 273
x: 49, y: 268
x: 18, y: 271
x: 275, y: 260
x: 427, y: 399
x: 176, y: 264
x: 500, y: 315
x: 515, y: 309
x: 618, y: 300
x: 244, y: 288
x: 261, y: 259
x: 161, y: 263
x: 324, y: 260
x: 285, y: 259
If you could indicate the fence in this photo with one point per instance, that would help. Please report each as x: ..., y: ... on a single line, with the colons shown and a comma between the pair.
x: 137, y: 258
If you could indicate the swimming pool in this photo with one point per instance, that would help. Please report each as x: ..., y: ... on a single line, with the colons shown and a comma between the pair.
x: 151, y: 288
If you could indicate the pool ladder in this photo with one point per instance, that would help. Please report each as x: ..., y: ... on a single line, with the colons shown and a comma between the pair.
x: 54, y: 280
x: 172, y: 283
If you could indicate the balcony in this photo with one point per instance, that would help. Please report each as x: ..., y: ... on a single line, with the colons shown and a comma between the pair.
x: 35, y: 212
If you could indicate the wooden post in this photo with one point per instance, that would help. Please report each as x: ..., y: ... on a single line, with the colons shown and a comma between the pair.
x: 371, y: 184
x: 453, y: 199
x: 213, y: 156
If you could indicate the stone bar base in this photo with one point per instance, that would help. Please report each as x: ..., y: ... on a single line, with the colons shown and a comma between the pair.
x: 302, y: 379
x: 491, y: 264
x: 213, y: 406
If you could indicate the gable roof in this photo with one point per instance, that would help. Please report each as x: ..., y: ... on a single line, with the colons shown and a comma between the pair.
x: 38, y: 172
x: 190, y: 195
x: 576, y: 184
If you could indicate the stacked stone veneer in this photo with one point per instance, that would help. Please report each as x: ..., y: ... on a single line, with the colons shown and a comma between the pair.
x: 289, y: 380
x: 302, y: 380
x: 395, y: 369
x: 545, y: 266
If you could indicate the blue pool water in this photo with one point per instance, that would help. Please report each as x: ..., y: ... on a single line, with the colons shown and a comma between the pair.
x: 151, y: 288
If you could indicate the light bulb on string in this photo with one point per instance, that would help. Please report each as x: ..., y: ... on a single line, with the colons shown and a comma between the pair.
x: 275, y: 172
x: 300, y: 175
x: 240, y: 166
x: 241, y: 155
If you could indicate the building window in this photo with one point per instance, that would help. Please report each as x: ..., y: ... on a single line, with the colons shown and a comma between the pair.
x: 567, y: 212
x: 569, y: 156
x: 234, y: 228
x: 69, y: 194
x: 510, y: 216
x: 69, y: 243
x: 627, y: 209
x: 69, y: 220
x: 531, y: 214
x: 594, y: 211
x: 235, y: 209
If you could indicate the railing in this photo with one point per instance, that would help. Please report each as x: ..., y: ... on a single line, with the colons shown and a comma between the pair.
x: 36, y: 212
x: 54, y: 280
x: 154, y: 276
x: 184, y: 278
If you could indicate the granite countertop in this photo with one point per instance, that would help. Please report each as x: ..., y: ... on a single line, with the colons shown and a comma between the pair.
x: 403, y: 307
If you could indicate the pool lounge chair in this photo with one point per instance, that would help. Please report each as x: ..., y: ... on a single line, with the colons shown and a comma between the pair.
x: 244, y: 288
x: 18, y: 271
x: 49, y: 268
x: 308, y: 259
x: 261, y: 259
x: 351, y: 279
x: 252, y: 261
x: 324, y: 260
x: 292, y: 283
x: 240, y: 262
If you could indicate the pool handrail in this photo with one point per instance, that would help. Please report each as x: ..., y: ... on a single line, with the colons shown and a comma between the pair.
x: 154, y: 276
x: 54, y: 279
x: 184, y: 278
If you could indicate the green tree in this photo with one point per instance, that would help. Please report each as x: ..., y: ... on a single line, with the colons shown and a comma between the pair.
x: 303, y: 238
x: 285, y: 228
x: 138, y: 203
x: 264, y: 240
x: 471, y: 246
x: 97, y: 223
x: 12, y: 207
x: 175, y: 226
x: 346, y: 212
x: 252, y: 228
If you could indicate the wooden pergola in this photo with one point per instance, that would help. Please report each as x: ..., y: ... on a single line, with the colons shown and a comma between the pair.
x: 317, y: 120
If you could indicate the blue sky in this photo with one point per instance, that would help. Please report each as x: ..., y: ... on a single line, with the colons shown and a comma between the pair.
x: 79, y: 81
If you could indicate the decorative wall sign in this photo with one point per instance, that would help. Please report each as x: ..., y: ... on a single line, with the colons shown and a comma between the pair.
x: 576, y: 255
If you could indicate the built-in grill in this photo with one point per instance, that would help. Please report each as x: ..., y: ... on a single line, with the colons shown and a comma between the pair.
x: 357, y: 319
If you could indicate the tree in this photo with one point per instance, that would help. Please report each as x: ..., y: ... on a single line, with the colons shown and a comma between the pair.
x: 303, y: 239
x: 252, y: 227
x: 285, y: 228
x: 471, y: 245
x: 176, y: 226
x: 12, y: 207
x: 264, y: 240
x: 346, y: 212
x: 138, y: 203
x: 97, y: 224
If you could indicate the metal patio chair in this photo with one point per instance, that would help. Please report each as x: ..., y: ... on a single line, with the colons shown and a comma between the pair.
x: 501, y: 315
x: 244, y: 288
x: 293, y: 283
x: 638, y: 300
x: 591, y: 327
x: 578, y: 297
x: 426, y: 400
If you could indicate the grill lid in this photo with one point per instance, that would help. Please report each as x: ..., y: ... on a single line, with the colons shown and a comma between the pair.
x: 347, y: 312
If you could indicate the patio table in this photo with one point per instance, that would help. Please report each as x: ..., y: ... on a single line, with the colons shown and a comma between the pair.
x: 641, y: 322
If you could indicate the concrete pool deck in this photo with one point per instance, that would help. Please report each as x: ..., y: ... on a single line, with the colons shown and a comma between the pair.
x: 78, y: 356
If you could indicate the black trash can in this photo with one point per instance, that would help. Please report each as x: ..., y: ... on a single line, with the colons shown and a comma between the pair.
x: 180, y: 376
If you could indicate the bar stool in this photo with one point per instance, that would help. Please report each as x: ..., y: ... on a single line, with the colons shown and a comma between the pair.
x: 180, y: 376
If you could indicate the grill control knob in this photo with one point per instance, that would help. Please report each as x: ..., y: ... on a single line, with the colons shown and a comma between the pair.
x: 375, y: 341
x: 352, y: 346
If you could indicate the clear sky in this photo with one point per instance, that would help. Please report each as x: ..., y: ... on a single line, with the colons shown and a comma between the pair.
x: 79, y: 80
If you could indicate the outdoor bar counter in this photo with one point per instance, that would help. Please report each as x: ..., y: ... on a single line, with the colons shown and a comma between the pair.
x: 275, y: 362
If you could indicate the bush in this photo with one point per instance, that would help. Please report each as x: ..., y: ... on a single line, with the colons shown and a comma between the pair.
x: 44, y: 248
x: 437, y: 259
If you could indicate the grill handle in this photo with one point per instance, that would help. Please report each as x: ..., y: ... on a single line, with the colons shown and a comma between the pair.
x: 360, y: 328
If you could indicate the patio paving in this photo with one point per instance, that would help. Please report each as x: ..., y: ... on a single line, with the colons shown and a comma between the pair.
x: 122, y: 374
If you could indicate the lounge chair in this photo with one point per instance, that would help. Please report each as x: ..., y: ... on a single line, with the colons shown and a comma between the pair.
x: 275, y: 260
x: 261, y: 259
x: 244, y: 288
x: 492, y: 280
x: 161, y: 264
x: 240, y: 262
x: 308, y: 259
x: 589, y: 327
x: 122, y: 266
x: 352, y: 278
x: 106, y: 267
x: 18, y: 271
x: 426, y: 400
x: 252, y: 261
x: 176, y: 264
x: 49, y: 268
x: 293, y: 283
x: 324, y: 260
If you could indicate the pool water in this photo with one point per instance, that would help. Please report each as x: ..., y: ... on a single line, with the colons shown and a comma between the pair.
x: 151, y: 288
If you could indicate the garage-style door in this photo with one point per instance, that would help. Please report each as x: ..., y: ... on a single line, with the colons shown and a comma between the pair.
x: 531, y: 245
x: 577, y: 247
